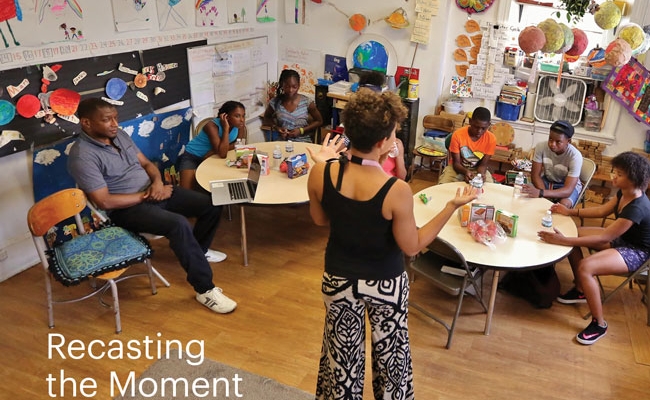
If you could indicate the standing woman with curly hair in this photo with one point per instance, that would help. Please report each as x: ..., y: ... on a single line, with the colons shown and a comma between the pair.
x: 288, y: 113
x: 623, y: 246
x: 372, y: 227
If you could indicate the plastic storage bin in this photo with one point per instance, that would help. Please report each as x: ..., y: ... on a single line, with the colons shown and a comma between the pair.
x: 507, y: 111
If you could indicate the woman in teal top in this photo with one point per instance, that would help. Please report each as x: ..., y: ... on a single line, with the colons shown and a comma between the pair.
x: 231, y: 119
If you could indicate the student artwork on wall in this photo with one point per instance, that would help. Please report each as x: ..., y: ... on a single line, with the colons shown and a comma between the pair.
x: 211, y: 12
x: 11, y: 14
x: 239, y: 11
x: 263, y: 14
x: 59, y: 20
x: 174, y: 14
x: 294, y: 12
x: 133, y: 15
x: 629, y: 84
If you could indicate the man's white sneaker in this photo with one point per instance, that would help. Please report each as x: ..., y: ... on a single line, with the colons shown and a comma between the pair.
x: 216, y: 301
x: 214, y: 256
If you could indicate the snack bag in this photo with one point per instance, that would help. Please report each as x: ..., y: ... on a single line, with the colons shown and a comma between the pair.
x: 487, y: 232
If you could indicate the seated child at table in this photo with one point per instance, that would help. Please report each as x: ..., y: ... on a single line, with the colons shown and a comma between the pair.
x: 290, y: 115
x: 471, y: 148
x: 623, y: 246
x: 231, y: 119
x: 556, y: 167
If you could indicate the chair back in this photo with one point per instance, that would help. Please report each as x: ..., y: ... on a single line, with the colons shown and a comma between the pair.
x: 586, y: 173
x: 201, y: 125
x: 55, y: 208
x: 438, y: 122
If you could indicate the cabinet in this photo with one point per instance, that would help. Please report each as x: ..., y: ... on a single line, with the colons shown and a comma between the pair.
x: 408, y: 132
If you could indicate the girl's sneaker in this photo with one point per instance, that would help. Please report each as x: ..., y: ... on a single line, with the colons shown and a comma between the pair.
x: 592, y: 333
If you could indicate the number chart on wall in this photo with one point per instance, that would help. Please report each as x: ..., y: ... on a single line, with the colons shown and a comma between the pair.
x: 235, y: 70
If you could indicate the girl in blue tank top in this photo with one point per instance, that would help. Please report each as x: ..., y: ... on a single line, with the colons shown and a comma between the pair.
x: 232, y: 120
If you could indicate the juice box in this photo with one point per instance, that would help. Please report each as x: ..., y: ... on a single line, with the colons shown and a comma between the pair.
x: 508, y: 222
x: 463, y: 215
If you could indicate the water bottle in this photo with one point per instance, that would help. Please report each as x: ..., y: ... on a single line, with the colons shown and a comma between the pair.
x: 288, y: 147
x: 519, y: 183
x: 394, y: 151
x: 547, y: 219
x: 277, y: 157
x: 477, y: 183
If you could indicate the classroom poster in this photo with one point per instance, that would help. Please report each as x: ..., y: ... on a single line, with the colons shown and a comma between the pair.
x: 133, y: 15
x: 294, y: 12
x: 174, y: 14
x: 211, y: 13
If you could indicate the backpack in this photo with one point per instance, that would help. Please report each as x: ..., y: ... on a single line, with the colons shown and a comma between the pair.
x: 538, y: 286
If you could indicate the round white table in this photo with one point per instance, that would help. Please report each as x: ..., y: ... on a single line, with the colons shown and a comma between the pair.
x: 273, y: 189
x: 525, y: 251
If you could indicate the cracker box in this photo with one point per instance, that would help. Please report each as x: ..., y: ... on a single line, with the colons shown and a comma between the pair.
x: 480, y: 212
x: 508, y: 222
x: 264, y: 163
x: 297, y: 166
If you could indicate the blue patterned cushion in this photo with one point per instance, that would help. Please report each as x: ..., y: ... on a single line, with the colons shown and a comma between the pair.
x: 96, y: 253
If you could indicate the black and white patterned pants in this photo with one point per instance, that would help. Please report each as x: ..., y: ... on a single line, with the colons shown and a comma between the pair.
x: 342, y: 362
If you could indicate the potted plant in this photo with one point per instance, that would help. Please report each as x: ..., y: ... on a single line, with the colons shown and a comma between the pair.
x: 576, y: 9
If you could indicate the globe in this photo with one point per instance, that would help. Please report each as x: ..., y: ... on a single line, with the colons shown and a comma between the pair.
x: 371, y: 55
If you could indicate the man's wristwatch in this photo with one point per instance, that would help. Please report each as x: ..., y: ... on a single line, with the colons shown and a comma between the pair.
x: 541, y: 193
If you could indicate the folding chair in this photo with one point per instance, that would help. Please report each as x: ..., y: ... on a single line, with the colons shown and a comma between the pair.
x: 429, y: 265
x: 104, y: 254
x: 640, y: 277
x: 586, y: 173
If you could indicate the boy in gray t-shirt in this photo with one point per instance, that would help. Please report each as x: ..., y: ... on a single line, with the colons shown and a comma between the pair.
x: 556, y: 167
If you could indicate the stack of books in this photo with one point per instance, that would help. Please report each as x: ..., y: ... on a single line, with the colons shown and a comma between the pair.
x: 512, y: 94
x: 340, y: 87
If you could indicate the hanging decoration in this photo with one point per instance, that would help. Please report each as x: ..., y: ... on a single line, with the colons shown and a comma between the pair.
x: 398, y: 19
x: 608, y: 15
x: 474, y: 6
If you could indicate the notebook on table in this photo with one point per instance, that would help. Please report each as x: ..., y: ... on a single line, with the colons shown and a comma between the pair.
x: 241, y: 190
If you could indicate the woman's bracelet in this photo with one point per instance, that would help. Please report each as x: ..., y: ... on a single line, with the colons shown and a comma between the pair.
x: 302, y: 131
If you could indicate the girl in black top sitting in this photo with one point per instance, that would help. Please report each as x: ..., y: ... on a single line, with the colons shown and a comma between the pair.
x: 372, y: 226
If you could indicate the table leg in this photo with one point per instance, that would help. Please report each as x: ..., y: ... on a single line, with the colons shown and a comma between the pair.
x: 493, y: 297
x: 244, y: 244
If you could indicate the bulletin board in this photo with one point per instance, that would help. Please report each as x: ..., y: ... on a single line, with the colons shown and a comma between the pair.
x: 237, y: 70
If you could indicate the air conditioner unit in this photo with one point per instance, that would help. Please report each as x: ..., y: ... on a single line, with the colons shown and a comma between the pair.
x: 564, y: 102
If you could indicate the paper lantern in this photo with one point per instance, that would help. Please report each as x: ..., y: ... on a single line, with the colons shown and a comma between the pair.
x: 554, y: 35
x: 633, y: 34
x: 618, y: 53
x: 358, y: 22
x: 531, y: 39
x: 580, y: 42
x: 608, y: 15
x: 596, y: 57
x: 568, y: 38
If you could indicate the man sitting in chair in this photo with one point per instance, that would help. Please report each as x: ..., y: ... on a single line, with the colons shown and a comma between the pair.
x: 471, y: 148
x: 556, y: 167
x: 118, y: 178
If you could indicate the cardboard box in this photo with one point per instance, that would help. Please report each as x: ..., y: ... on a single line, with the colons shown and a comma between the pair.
x: 297, y: 166
x: 508, y: 222
x: 481, y: 212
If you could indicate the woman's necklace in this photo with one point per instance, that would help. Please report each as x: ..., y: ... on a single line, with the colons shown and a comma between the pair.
x: 365, y: 162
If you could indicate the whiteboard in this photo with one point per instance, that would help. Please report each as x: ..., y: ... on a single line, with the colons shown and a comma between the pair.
x: 236, y: 70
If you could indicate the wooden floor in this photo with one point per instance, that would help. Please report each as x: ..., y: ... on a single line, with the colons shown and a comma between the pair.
x: 276, y: 329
